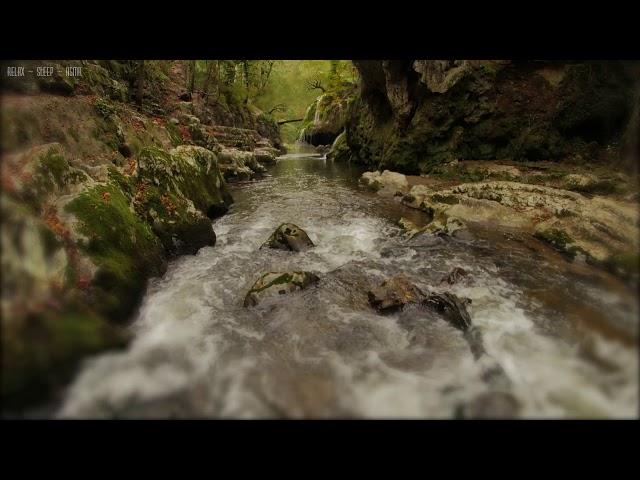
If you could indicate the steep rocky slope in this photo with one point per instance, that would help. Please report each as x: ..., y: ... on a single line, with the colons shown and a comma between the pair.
x: 103, y: 180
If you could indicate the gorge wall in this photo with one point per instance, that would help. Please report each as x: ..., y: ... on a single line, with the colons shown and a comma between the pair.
x: 413, y: 116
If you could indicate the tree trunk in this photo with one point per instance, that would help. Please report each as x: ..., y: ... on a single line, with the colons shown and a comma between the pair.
x: 192, y: 75
x: 207, y: 80
x: 245, y: 69
x: 140, y: 83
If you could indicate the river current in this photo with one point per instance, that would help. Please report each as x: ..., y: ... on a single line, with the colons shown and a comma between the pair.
x: 564, y: 334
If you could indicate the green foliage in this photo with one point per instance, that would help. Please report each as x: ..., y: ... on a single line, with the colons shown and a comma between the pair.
x: 104, y: 108
x: 121, y: 244
x: 288, y: 86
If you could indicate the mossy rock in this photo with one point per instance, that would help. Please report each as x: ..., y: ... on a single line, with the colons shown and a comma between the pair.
x: 626, y: 265
x: 289, y: 237
x: 340, y: 149
x: 122, y: 245
x: 181, y: 228
x: 189, y: 172
x: 50, y: 175
x: 274, y: 284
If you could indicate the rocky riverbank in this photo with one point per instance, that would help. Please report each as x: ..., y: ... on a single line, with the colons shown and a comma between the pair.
x: 587, y: 217
x: 98, y: 193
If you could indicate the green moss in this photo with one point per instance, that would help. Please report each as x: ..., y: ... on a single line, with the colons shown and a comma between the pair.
x: 42, y: 350
x: 626, y: 264
x: 52, y: 173
x: 600, y: 187
x: 105, y: 108
x: 448, y: 199
x: 181, y: 231
x: 123, y: 247
x: 174, y: 134
x: 125, y: 184
x: 54, y: 163
x: 191, y: 173
x: 555, y: 237
x: 287, y: 278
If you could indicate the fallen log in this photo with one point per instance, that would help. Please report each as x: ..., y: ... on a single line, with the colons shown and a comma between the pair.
x: 282, y: 122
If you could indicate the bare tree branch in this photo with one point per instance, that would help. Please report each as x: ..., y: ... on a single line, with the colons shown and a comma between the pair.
x: 281, y: 107
x: 315, y: 85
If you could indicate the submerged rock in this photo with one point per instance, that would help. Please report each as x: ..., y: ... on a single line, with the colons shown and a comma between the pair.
x: 289, y: 237
x: 394, y: 294
x: 455, y: 276
x: 273, y: 284
x: 491, y: 405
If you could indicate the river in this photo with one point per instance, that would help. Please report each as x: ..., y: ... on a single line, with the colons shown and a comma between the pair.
x: 564, y: 334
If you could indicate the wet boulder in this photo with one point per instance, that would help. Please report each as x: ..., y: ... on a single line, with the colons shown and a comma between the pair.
x: 394, y: 294
x: 453, y: 308
x: 289, y: 237
x: 385, y: 183
x: 187, y: 171
x: 265, y: 155
x: 184, y: 232
x: 274, y: 284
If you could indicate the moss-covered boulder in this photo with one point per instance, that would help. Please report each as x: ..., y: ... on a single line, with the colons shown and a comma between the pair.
x: 326, y: 116
x: 189, y: 172
x: 273, y: 284
x: 124, y: 247
x: 339, y: 150
x: 239, y: 165
x: 181, y: 228
x: 289, y: 237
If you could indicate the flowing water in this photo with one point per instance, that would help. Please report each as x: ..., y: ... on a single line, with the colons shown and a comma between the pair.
x: 563, y: 334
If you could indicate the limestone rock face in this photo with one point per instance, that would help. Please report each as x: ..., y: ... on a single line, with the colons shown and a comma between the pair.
x: 415, y: 116
x: 274, y: 284
x: 289, y: 237
x: 440, y: 75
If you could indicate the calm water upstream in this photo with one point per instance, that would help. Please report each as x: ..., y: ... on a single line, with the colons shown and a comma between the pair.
x: 564, y: 335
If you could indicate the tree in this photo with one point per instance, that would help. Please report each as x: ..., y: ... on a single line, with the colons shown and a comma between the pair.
x: 140, y: 82
x: 192, y: 76
x: 315, y: 84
